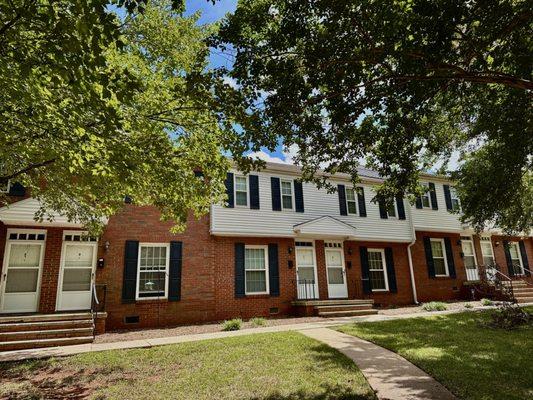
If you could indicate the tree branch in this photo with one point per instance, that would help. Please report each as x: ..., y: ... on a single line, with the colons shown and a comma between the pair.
x: 27, y: 169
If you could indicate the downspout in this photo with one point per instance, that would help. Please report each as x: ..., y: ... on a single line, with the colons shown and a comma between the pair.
x: 409, y: 256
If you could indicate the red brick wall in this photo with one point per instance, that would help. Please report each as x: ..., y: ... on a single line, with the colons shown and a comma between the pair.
x: 404, y: 294
x: 499, y: 253
x: 440, y: 288
x: 227, y: 306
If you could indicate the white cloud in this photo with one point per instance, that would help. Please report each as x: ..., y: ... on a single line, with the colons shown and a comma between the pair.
x: 261, y: 155
x: 230, y: 81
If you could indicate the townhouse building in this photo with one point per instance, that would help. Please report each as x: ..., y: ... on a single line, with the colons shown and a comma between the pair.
x: 278, y: 247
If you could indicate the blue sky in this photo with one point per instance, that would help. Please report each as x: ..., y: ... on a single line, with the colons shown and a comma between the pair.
x: 211, y: 13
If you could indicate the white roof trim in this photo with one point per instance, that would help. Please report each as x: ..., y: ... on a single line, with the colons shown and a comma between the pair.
x: 325, y: 227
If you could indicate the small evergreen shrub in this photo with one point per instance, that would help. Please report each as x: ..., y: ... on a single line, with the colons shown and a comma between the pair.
x: 258, y: 321
x: 468, y: 305
x: 435, y: 306
x: 232, y: 324
x: 487, y: 302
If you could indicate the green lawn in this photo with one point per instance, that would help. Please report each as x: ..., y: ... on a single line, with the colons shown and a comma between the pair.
x: 473, y: 361
x: 277, y: 366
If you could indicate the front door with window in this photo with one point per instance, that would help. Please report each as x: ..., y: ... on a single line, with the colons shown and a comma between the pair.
x: 76, y: 275
x: 23, y: 262
x: 337, y: 287
x: 516, y: 259
x: 487, y: 254
x: 306, y: 271
x: 469, y: 258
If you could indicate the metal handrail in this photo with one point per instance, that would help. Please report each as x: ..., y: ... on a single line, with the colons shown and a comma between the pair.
x: 497, y: 282
x: 96, y: 303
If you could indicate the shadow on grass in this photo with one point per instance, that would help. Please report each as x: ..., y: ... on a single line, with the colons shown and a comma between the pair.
x: 329, y: 393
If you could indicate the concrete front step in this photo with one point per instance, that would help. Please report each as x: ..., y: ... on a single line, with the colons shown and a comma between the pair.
x: 45, y: 325
x: 45, y: 334
x: 39, y: 343
x: 524, y: 299
x: 346, y: 313
x: 332, y: 302
x: 44, y: 317
x: 344, y: 307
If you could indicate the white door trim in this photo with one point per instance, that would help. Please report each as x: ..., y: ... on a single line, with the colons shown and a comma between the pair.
x: 313, y: 248
x: 343, y: 267
x: 62, y: 265
x: 5, y: 262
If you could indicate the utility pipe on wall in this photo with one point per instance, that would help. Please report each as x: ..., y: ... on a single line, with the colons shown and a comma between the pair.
x: 409, y: 256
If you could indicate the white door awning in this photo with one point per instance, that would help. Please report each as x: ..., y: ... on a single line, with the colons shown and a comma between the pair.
x: 325, y: 227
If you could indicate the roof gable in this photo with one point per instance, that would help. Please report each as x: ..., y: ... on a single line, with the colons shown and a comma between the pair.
x: 326, y: 227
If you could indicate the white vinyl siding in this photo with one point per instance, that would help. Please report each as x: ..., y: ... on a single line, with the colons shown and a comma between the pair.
x: 351, y: 201
x: 152, y: 273
x: 377, y: 270
x: 241, y: 191
x: 256, y: 269
x: 439, y: 257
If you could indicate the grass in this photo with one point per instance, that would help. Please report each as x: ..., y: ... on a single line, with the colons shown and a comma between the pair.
x: 232, y: 324
x: 258, y: 321
x: 435, y: 306
x: 272, y: 366
x: 472, y: 360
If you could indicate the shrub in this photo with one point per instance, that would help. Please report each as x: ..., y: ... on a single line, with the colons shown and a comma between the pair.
x: 232, y: 324
x: 468, y: 305
x: 258, y: 321
x: 509, y: 316
x: 487, y: 302
x: 435, y: 306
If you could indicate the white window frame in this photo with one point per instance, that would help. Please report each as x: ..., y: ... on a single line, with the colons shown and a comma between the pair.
x: 515, y: 244
x: 453, y: 196
x: 247, y: 205
x: 395, y: 210
x: 354, y: 201
x: 292, y: 194
x: 444, y: 256
x: 385, y: 275
x: 486, y: 239
x: 265, y: 252
x: 427, y: 194
x: 149, y: 244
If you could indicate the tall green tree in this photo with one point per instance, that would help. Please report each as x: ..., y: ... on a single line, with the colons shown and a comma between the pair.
x: 94, y: 108
x: 400, y: 83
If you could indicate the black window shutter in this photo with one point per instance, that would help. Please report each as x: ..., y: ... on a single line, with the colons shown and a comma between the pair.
x: 448, y: 197
x: 383, y: 210
x: 523, y: 254
x: 273, y: 269
x: 239, y: 270
x: 365, y: 270
x: 449, y: 257
x: 298, y: 196
x: 391, y: 273
x: 508, y: 258
x: 129, y: 278
x: 254, y: 191
x: 433, y: 196
x: 429, y: 257
x: 342, y: 199
x: 361, y: 201
x: 174, y: 271
x: 276, y: 194
x: 16, y: 189
x: 401, y: 207
x: 418, y: 202
x: 229, y: 190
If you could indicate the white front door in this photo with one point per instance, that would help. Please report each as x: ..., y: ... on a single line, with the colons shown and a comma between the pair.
x: 336, y: 273
x: 469, y: 258
x: 76, y: 276
x: 306, y: 271
x: 22, y: 269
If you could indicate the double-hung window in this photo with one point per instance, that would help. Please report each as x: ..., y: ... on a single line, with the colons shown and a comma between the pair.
x: 256, y: 269
x: 241, y: 191
x: 486, y: 251
x: 439, y: 257
x: 286, y: 195
x: 152, y: 278
x: 391, y: 210
x: 426, y: 198
x: 456, y: 205
x: 377, y: 270
x: 351, y: 201
x: 516, y: 260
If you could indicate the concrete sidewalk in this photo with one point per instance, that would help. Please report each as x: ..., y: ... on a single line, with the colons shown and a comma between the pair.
x: 143, y: 343
x: 390, y: 375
